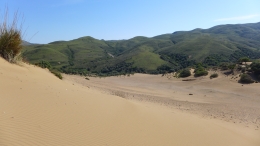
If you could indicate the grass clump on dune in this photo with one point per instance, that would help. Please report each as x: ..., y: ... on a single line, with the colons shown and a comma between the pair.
x: 215, y: 75
x: 10, y: 39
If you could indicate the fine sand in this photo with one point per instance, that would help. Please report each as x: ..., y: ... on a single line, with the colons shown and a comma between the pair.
x: 222, y: 98
x: 38, y: 109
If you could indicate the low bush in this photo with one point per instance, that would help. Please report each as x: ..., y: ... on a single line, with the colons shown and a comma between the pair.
x: 224, y: 66
x: 255, y: 67
x: 243, y: 70
x: 57, y: 74
x: 200, y: 71
x: 244, y: 59
x: 184, y: 73
x: 45, y: 64
x: 245, y: 78
x: 215, y: 75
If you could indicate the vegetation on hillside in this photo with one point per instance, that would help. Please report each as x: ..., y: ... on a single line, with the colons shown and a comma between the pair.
x: 158, y: 55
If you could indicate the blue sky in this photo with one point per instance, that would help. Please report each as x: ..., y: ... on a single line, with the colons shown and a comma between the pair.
x: 52, y: 20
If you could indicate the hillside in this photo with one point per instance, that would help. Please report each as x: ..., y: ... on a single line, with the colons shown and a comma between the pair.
x: 168, y: 52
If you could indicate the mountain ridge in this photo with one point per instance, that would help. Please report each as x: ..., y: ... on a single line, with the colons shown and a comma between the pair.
x: 158, y: 54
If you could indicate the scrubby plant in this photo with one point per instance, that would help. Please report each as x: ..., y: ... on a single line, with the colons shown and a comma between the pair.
x: 57, y: 74
x: 224, y: 66
x: 10, y: 39
x: 232, y: 67
x: 184, y: 73
x: 255, y: 67
x: 245, y: 78
x: 243, y: 70
x: 200, y: 71
x: 244, y: 59
x: 45, y: 64
x: 215, y: 75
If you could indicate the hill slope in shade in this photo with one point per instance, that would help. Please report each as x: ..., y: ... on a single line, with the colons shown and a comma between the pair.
x: 168, y: 52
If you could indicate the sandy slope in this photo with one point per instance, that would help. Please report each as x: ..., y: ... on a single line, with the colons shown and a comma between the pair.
x: 36, y: 108
x: 222, y: 98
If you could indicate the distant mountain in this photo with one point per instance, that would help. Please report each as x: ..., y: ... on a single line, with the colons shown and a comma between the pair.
x: 167, y: 52
x: 25, y: 43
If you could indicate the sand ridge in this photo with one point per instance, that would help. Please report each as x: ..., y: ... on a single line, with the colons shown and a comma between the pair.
x: 36, y: 108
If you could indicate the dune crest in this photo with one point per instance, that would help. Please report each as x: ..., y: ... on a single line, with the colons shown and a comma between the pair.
x: 36, y: 108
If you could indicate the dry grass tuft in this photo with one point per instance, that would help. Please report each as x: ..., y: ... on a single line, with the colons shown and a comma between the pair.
x: 10, y: 38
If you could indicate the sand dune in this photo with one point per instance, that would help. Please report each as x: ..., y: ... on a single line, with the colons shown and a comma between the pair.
x: 222, y: 98
x: 36, y: 108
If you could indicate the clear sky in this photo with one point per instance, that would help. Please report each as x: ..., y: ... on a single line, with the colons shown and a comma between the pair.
x: 53, y: 20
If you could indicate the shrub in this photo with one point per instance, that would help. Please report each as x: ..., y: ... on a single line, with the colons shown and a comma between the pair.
x: 243, y: 70
x: 184, y: 73
x: 215, y: 75
x: 255, y: 67
x: 224, y: 66
x: 10, y: 39
x: 244, y: 59
x: 57, y: 74
x: 200, y: 71
x: 45, y: 64
x: 245, y: 78
x: 232, y: 66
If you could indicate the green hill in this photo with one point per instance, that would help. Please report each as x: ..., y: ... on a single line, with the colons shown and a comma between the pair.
x: 159, y: 54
